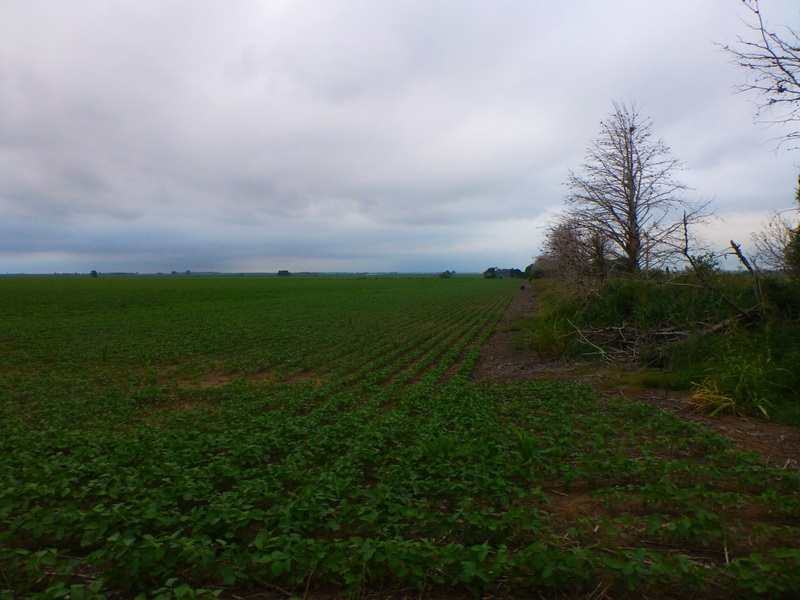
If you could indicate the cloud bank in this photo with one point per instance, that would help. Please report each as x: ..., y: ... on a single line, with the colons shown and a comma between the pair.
x: 349, y: 136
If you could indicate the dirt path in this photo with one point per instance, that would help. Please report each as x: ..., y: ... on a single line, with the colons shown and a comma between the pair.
x: 500, y: 362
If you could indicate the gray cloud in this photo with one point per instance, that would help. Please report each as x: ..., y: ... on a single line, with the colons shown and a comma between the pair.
x: 352, y: 135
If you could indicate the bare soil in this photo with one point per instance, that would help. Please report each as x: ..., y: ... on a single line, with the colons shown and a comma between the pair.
x: 501, y: 361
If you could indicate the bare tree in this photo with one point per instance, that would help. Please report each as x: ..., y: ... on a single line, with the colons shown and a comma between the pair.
x: 772, y: 61
x: 575, y: 254
x: 626, y: 193
x: 773, y: 241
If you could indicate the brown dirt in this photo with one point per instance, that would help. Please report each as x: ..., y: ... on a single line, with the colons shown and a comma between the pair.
x: 500, y: 361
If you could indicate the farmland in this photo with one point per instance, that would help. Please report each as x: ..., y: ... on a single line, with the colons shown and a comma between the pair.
x: 190, y: 437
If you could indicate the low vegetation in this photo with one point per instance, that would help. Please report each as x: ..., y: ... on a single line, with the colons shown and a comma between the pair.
x: 315, y: 437
x: 682, y: 335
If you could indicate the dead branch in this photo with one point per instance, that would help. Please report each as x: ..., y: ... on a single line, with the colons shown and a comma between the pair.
x: 771, y: 62
x: 727, y: 323
x: 624, y: 343
x: 756, y: 281
x: 744, y: 313
x: 585, y: 339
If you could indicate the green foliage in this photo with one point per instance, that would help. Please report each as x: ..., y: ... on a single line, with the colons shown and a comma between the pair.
x: 194, y: 437
x: 707, y: 264
x: 743, y: 378
x: 782, y: 297
x: 793, y: 249
x: 644, y: 302
x: 745, y: 369
x: 526, y: 444
x: 793, y: 256
x: 440, y: 447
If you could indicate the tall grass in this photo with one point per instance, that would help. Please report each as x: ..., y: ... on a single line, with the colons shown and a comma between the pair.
x: 740, y: 382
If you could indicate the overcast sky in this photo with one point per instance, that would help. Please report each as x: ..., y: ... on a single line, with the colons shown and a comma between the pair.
x: 415, y: 135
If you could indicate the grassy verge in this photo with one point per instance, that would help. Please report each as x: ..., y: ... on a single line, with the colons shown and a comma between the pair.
x: 664, y: 326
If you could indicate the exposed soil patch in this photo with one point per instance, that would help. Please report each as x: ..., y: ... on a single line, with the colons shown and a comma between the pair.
x: 501, y: 362
x: 216, y: 378
x: 219, y: 377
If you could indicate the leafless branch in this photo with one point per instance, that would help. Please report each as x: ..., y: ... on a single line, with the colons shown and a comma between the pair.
x: 703, y: 277
x: 756, y: 281
x: 627, y: 193
x: 771, y: 61
x: 772, y: 241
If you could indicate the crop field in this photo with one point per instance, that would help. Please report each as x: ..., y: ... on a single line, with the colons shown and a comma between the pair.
x: 181, y: 437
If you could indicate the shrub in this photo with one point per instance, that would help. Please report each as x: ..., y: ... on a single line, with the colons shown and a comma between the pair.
x: 664, y: 323
x: 740, y: 383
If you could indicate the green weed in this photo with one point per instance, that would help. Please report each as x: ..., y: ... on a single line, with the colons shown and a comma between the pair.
x: 526, y: 444
x: 440, y: 447
x: 739, y: 384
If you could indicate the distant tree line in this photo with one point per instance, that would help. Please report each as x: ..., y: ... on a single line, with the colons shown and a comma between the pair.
x: 498, y: 273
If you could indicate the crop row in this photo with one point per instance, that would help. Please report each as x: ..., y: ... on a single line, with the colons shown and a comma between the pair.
x: 387, y: 469
x: 155, y: 333
x: 430, y: 347
x: 455, y: 485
